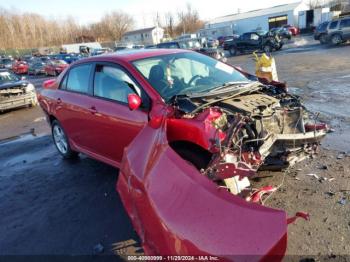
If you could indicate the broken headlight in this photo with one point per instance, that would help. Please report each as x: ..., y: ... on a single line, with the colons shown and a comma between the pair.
x: 29, y: 88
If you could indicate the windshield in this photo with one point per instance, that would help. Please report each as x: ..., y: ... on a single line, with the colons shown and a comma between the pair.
x: 187, y: 73
x: 7, y: 76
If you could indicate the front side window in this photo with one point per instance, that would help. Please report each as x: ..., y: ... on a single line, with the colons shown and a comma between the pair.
x: 333, y: 25
x: 78, y: 78
x: 187, y: 73
x: 113, y: 83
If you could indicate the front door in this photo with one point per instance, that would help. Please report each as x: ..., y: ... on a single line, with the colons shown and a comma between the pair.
x: 115, y: 124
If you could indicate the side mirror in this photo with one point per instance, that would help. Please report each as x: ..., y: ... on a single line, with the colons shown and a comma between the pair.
x: 134, y: 101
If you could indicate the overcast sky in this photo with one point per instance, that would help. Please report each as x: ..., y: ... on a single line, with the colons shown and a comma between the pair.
x: 144, y: 11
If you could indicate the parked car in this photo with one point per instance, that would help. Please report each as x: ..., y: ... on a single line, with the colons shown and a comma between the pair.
x: 36, y: 68
x: 55, y: 67
x: 293, y: 29
x: 335, y: 32
x: 68, y: 58
x: 20, y: 67
x: 252, y: 41
x: 6, y: 63
x: 222, y: 39
x: 179, y: 124
x: 15, y: 92
x: 321, y: 32
x: 282, y: 32
x: 194, y: 45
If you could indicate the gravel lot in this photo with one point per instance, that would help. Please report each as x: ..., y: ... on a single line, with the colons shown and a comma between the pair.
x: 51, y: 206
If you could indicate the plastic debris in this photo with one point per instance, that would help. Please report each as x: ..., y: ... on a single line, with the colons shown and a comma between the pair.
x: 313, y: 175
x: 340, y: 156
x: 342, y: 201
x: 256, y: 196
x: 303, y: 215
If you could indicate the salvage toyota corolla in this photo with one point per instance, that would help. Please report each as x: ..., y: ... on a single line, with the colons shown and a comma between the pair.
x: 187, y: 132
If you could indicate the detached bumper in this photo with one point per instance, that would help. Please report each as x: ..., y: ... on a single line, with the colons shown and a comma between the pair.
x: 18, y: 101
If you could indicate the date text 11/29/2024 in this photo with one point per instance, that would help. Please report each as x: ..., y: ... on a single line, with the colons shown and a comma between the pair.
x: 173, y: 258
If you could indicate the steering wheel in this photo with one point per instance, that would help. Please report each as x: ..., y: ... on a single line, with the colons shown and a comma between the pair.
x: 194, y: 78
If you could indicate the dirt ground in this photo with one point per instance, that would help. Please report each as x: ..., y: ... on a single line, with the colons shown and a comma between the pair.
x: 50, y: 206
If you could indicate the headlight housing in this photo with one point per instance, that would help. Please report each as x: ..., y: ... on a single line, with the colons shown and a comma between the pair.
x: 29, y: 88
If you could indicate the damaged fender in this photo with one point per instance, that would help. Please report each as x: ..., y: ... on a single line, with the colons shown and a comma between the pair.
x: 177, y: 210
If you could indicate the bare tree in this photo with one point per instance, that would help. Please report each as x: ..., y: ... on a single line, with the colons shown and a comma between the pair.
x: 189, y: 21
x: 169, y: 24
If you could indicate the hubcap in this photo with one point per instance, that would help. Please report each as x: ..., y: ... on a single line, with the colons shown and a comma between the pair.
x: 60, y: 139
x: 336, y: 39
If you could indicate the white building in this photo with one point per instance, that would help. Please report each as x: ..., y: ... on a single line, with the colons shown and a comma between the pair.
x: 145, y: 36
x: 262, y: 19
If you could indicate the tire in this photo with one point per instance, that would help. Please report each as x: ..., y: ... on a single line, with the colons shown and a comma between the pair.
x: 336, y: 39
x: 196, y: 157
x: 233, y: 51
x: 323, y: 39
x: 61, y: 141
x: 267, y: 49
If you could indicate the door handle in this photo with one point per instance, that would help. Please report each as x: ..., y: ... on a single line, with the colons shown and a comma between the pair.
x: 59, y: 101
x: 93, y: 110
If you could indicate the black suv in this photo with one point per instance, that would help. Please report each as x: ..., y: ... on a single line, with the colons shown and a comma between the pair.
x: 336, y: 31
x: 252, y: 41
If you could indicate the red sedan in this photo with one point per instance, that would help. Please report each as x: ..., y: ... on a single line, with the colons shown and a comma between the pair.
x: 294, y: 30
x: 187, y: 132
x: 20, y: 67
x: 55, y: 67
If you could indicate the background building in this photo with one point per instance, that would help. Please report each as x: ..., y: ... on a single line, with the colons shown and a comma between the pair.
x: 145, y: 36
x: 262, y: 19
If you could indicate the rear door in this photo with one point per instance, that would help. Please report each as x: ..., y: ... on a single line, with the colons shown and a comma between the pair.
x: 345, y: 28
x: 73, y: 102
x: 115, y: 124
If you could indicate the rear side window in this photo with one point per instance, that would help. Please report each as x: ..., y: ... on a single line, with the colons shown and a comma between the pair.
x: 333, y: 25
x: 78, y: 78
x: 345, y: 23
x: 113, y: 83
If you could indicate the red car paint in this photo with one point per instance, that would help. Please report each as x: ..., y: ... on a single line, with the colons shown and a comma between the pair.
x: 53, y: 68
x: 294, y: 30
x: 174, y: 208
x: 20, y: 67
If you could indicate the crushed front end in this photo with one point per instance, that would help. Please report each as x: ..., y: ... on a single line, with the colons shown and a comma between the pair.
x: 261, y: 127
x: 17, y: 95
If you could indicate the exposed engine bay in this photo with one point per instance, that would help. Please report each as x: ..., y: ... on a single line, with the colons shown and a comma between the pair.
x: 261, y: 127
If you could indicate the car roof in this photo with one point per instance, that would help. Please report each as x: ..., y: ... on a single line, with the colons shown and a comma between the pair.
x: 134, y: 54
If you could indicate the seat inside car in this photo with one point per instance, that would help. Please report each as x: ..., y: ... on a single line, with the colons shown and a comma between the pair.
x: 157, y: 78
x: 112, y: 88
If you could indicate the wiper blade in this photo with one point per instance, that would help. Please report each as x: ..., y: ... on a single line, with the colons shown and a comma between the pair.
x: 229, y: 84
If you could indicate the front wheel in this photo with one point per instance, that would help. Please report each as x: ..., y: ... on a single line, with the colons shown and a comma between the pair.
x: 233, y: 51
x: 61, y: 141
x: 323, y: 39
x: 267, y: 49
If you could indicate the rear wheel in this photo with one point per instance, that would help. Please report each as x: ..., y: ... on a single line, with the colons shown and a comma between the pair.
x: 61, y: 141
x: 336, y: 39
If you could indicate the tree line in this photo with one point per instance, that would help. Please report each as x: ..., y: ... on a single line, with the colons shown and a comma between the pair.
x: 31, y: 30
